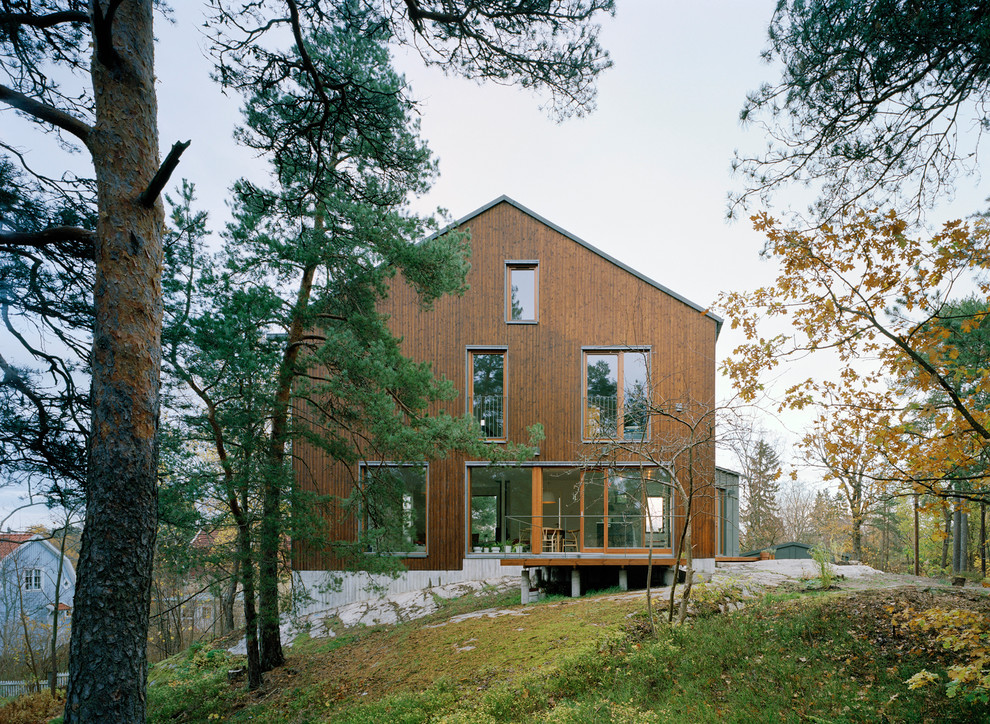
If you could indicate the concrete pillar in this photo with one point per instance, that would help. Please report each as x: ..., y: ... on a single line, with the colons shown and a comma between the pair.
x: 668, y: 575
x: 575, y: 582
x: 623, y: 579
x: 704, y: 568
x: 524, y: 585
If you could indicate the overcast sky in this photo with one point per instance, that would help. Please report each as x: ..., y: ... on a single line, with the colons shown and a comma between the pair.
x: 644, y: 177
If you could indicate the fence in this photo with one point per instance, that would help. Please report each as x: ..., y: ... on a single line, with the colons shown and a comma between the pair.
x: 16, y: 688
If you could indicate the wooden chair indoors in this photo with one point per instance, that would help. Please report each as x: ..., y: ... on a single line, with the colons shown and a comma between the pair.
x: 571, y: 542
x: 551, y: 540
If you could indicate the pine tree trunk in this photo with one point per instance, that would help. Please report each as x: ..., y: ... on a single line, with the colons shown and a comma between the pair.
x: 247, y: 583
x: 227, y: 601
x: 270, y: 636
x: 108, y: 667
x: 271, y: 514
x: 56, y: 602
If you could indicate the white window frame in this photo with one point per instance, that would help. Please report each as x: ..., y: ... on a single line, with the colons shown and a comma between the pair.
x: 33, y: 579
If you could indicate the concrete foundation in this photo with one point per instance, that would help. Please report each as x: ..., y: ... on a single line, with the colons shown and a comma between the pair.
x: 575, y: 583
x: 330, y: 589
x: 668, y: 575
x: 623, y: 579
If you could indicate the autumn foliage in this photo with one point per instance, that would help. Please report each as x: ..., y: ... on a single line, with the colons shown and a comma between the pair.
x: 883, y: 309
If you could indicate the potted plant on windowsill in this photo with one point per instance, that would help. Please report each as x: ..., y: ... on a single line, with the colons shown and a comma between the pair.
x: 506, y: 545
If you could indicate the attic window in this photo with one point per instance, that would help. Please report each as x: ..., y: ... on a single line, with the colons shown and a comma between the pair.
x: 32, y: 579
x: 522, y: 298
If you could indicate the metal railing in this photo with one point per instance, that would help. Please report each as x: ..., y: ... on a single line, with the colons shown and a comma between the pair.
x: 601, y: 418
x: 490, y: 414
x: 601, y: 415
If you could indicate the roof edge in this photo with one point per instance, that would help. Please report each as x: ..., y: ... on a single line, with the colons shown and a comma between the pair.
x: 590, y: 247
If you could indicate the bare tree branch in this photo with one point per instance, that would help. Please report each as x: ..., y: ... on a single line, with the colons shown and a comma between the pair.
x: 54, y: 235
x: 44, y: 21
x: 46, y: 113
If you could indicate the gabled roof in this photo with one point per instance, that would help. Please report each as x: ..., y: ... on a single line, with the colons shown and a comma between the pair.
x: 205, y: 539
x: 10, y: 541
x: 512, y: 202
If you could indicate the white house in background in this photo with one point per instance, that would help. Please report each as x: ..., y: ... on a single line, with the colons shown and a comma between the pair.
x: 31, y: 581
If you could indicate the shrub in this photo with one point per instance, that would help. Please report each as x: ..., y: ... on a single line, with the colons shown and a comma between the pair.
x: 826, y: 573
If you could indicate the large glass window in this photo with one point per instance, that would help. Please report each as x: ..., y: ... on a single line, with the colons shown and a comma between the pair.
x: 501, y: 506
x: 394, y: 511
x: 616, y: 394
x: 487, y: 392
x: 626, y: 509
x: 521, y: 291
x: 561, y: 510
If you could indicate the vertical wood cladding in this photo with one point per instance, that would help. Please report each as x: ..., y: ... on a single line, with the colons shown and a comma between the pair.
x: 585, y: 300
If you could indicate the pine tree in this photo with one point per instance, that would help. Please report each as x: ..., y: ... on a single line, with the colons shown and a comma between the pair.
x: 759, y: 515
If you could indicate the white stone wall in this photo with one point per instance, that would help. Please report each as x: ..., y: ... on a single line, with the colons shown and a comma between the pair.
x: 354, y: 587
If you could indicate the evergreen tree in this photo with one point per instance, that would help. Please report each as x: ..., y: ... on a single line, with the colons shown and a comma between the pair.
x: 285, y: 317
x: 759, y: 510
x: 102, y: 54
x: 870, y: 95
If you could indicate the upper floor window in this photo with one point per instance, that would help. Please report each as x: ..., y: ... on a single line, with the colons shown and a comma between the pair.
x: 522, y: 291
x: 32, y: 579
x: 486, y: 398
x: 394, y: 510
x: 616, y: 394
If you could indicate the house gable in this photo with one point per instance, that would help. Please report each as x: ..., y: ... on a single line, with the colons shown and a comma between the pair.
x: 465, y: 222
x: 588, y: 302
x: 28, y: 551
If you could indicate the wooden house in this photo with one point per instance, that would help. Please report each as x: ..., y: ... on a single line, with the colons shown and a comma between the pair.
x: 552, y: 331
x: 37, y: 584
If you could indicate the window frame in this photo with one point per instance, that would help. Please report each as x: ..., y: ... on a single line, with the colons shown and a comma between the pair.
x: 471, y: 352
x: 363, y: 519
x: 507, y: 489
x: 521, y: 264
x: 655, y: 474
x: 33, y: 582
x: 620, y: 352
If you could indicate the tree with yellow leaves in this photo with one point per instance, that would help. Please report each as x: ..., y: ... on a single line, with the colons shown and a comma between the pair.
x: 880, y: 303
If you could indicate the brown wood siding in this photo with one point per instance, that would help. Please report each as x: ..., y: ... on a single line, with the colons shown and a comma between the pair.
x: 584, y: 300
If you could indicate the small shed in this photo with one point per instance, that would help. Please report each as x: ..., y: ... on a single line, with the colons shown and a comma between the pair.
x: 791, y: 550
x: 784, y: 551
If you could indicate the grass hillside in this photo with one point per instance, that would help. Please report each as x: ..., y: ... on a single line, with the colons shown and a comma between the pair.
x: 822, y: 657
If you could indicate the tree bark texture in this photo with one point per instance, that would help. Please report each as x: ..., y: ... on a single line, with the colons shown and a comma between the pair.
x: 246, y: 566
x: 947, y: 531
x: 108, y: 667
x: 917, y: 560
x: 271, y: 517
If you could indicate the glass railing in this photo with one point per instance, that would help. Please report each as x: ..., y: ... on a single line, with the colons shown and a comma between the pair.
x: 562, y: 534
